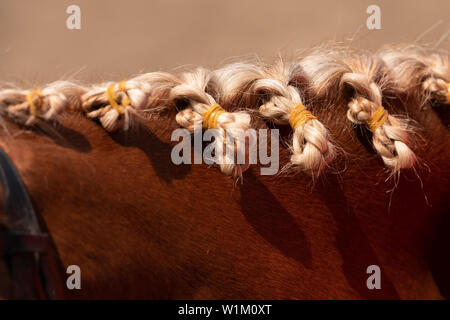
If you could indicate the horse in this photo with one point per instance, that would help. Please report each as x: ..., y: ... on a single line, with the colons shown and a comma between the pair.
x: 140, y: 227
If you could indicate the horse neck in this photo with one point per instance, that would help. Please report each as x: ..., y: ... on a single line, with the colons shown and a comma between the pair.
x: 107, y: 193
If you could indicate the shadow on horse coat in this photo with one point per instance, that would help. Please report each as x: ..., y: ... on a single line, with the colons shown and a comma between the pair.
x: 140, y: 227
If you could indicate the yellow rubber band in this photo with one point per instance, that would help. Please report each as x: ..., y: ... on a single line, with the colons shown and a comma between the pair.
x: 211, y: 115
x: 111, y: 96
x: 299, y: 115
x: 126, y: 102
x: 30, y: 97
x: 122, y: 86
x: 377, y: 119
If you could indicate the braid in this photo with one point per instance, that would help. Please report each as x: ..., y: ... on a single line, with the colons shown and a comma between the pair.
x: 280, y: 102
x: 117, y: 104
x: 27, y: 107
x: 330, y: 76
x: 389, y: 134
x: 204, y: 111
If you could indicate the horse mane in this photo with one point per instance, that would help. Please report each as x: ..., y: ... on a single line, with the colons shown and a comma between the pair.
x: 320, y: 81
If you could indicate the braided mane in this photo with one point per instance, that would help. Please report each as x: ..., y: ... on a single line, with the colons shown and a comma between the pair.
x: 295, y: 93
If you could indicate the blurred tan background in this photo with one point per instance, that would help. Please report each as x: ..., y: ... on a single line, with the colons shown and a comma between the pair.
x: 121, y: 38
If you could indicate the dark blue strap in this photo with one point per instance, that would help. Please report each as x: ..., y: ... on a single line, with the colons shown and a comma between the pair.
x: 20, y: 215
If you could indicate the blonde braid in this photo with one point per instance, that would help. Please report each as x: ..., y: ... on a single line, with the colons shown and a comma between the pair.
x: 330, y: 74
x: 389, y: 134
x: 204, y: 111
x: 117, y: 104
x: 277, y: 100
x: 312, y: 149
x: 28, y: 106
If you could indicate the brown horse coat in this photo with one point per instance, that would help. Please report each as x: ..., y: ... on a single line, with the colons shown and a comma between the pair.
x: 141, y: 227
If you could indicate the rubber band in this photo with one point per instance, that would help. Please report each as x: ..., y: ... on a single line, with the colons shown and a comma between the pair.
x: 30, y: 97
x: 122, y: 86
x: 377, y: 119
x: 211, y: 115
x: 112, y: 98
x: 299, y: 115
